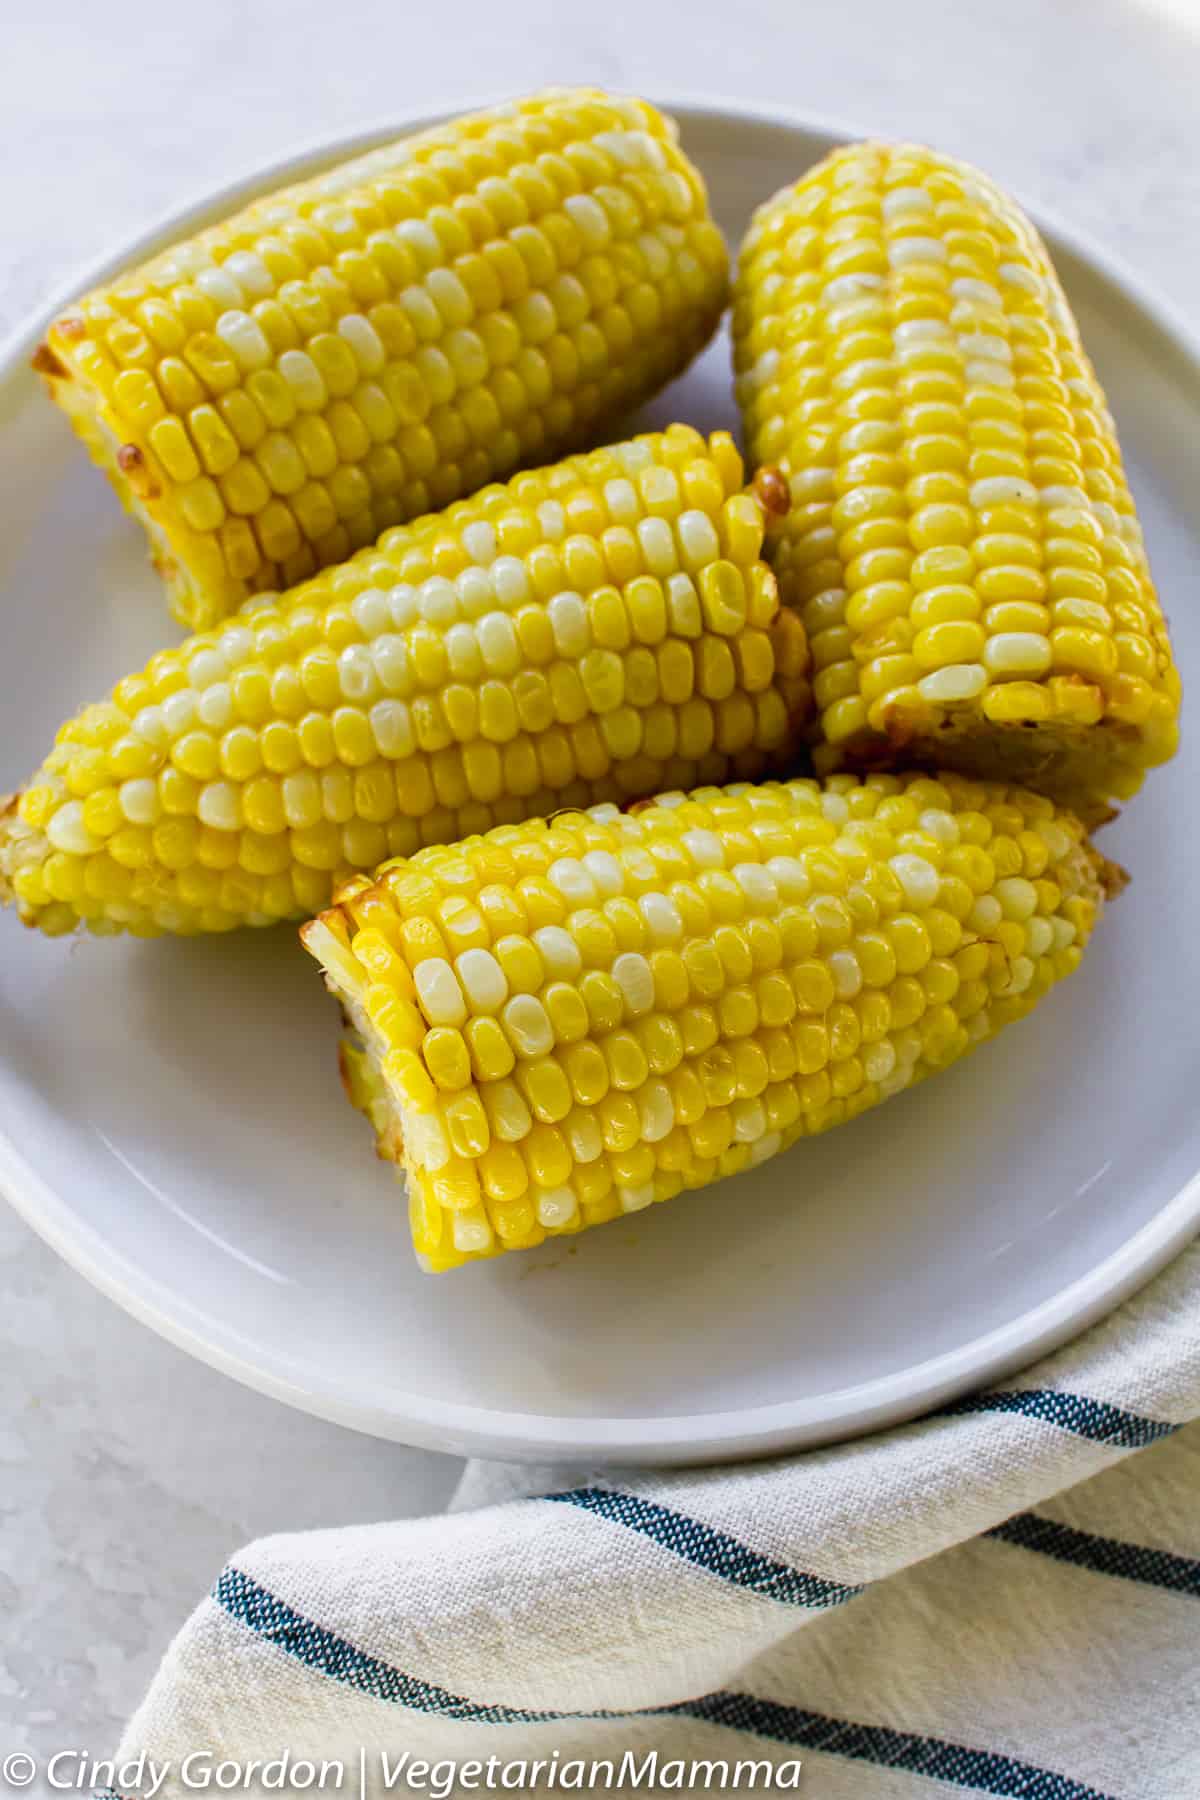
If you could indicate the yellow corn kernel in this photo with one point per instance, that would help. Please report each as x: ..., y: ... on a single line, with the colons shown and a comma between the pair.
x: 467, y: 1126
x: 502, y: 1173
x: 546, y: 1089
x: 702, y: 984
x: 170, y: 443
x: 961, y: 539
x: 446, y: 1057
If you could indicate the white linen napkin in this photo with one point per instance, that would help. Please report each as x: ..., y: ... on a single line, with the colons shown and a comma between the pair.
x: 1001, y: 1599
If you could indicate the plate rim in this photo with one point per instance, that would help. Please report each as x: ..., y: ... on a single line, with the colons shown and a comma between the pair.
x: 722, y: 1435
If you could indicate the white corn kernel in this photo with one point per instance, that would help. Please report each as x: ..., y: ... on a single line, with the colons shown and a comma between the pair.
x: 438, y: 992
x: 426, y: 1141
x: 1017, y: 897
x: 178, y: 712
x: 404, y: 605
x: 139, y: 802
x: 371, y: 611
x: 605, y: 871
x: 438, y: 602
x: 790, y: 877
x: 508, y: 1114
x: 482, y: 980
x: 631, y: 972
x: 220, y: 805
x: 940, y: 825
x: 1020, y: 653
x: 704, y: 848
x: 656, y: 1110
x: 1039, y: 936
x: 510, y: 583
x: 365, y: 342
x: 1020, y: 976
x: 758, y: 886
x: 902, y: 252
x: 558, y: 951
x: 392, y: 729
x: 1064, y: 932
x: 475, y: 592
x: 765, y: 1147
x: 749, y: 1121
x: 498, y: 642
x: 1002, y: 490
x: 572, y: 880
x: 556, y: 1207
x: 957, y: 681
x: 245, y: 339
x: 919, y: 879
x: 847, y: 976
x: 67, y: 831
x: 528, y: 1025
x: 479, y: 541
x: 357, y: 674
x: 698, y: 539
x: 985, y: 915
x: 635, y: 1199
x: 662, y: 919
x: 472, y: 1231
x: 569, y: 621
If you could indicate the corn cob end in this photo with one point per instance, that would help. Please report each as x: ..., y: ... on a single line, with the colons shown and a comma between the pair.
x: 24, y: 850
x: 12, y: 830
x: 9, y: 804
x: 175, y: 551
x: 1065, y: 748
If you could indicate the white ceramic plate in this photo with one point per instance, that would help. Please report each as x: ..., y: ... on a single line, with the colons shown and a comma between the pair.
x: 171, y: 1118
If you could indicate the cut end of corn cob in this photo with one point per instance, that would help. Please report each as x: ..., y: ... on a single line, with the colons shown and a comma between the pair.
x: 962, y: 545
x: 564, y: 1021
x: 365, y: 347
x: 594, y: 631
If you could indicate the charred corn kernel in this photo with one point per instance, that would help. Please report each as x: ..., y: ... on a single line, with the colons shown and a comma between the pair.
x: 396, y: 333
x: 391, y: 701
x: 652, y: 1041
x: 962, y: 545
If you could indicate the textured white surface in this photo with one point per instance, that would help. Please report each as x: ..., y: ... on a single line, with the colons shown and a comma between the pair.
x: 128, y: 1473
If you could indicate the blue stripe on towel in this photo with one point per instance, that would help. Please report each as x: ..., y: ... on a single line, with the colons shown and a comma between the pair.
x: 709, y: 1549
x: 1103, y: 1555
x: 318, y: 1648
x: 1094, y: 1419
x: 936, y: 1758
x: 334, y: 1656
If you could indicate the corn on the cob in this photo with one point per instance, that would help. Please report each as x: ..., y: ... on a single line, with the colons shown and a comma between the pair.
x: 365, y: 347
x: 962, y: 544
x: 592, y: 631
x: 565, y: 1020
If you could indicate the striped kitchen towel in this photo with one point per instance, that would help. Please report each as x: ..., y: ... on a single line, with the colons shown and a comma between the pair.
x: 1001, y: 1599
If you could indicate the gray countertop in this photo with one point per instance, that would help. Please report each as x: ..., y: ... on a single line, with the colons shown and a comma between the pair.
x: 128, y: 1473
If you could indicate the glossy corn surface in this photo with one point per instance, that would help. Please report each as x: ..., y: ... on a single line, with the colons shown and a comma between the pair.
x: 593, y: 631
x: 365, y: 347
x: 562, y: 1022
x: 962, y: 544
